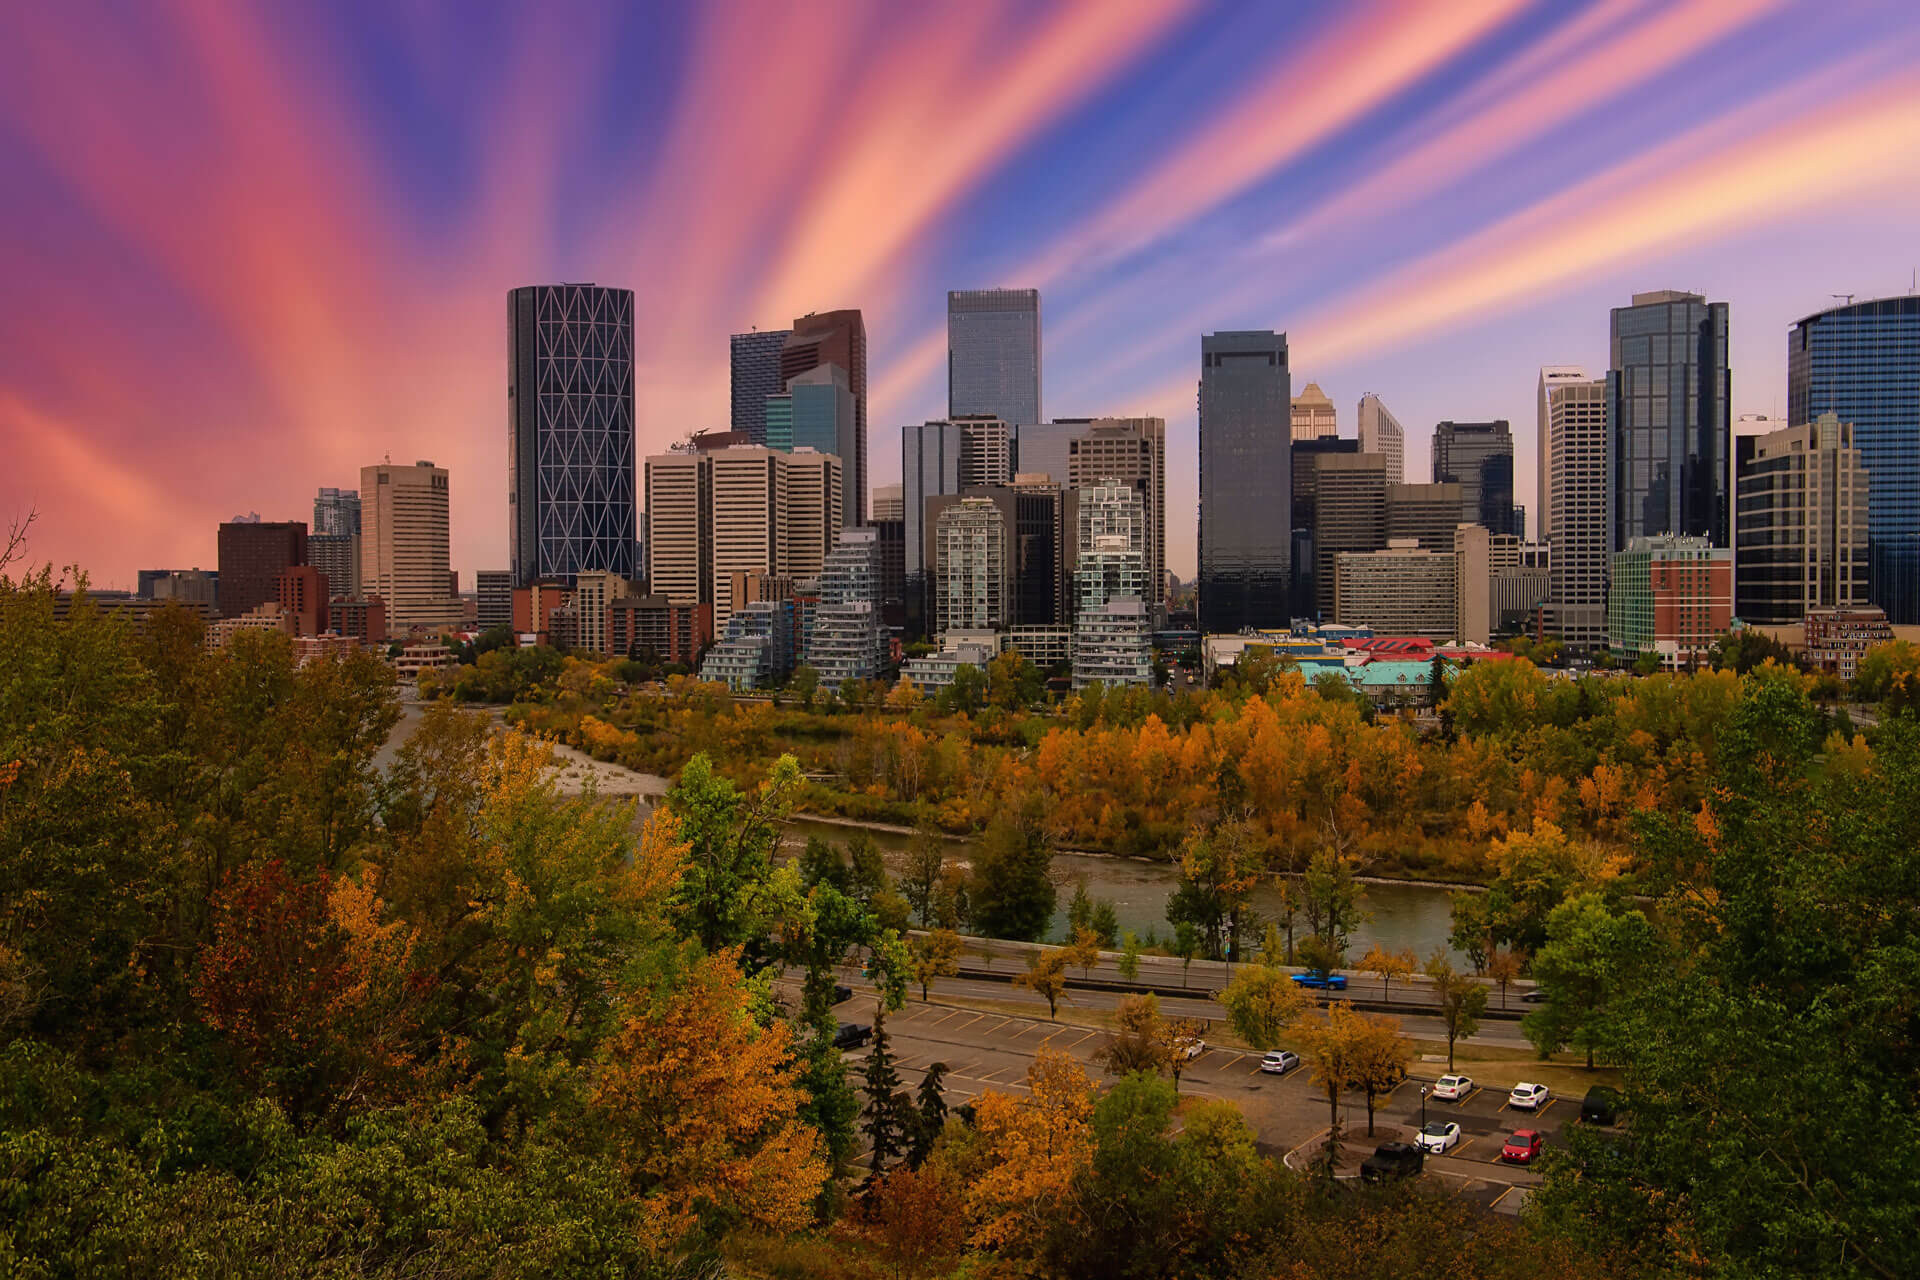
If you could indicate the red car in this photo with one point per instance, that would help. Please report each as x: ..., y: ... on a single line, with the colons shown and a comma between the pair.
x: 1523, y: 1147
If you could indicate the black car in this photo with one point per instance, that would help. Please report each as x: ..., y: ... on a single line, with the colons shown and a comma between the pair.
x: 1601, y: 1106
x: 842, y: 994
x: 1392, y: 1161
x: 852, y: 1035
x: 1535, y: 996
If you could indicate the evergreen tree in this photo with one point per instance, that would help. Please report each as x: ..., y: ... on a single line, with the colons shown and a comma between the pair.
x: 929, y: 1114
x: 882, y: 1112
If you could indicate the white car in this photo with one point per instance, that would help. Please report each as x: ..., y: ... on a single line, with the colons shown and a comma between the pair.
x: 1439, y: 1137
x: 1190, y: 1049
x: 1452, y: 1088
x: 1279, y: 1062
x: 1527, y: 1097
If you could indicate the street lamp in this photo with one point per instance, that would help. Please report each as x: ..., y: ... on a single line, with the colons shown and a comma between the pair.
x: 1423, y: 1108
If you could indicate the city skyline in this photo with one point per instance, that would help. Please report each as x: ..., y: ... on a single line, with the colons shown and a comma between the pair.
x: 336, y: 299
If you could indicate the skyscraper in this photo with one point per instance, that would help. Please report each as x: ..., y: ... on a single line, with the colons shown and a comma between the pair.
x: 1801, y: 525
x: 755, y: 360
x: 1668, y: 423
x: 836, y: 337
x: 570, y: 452
x: 1302, y: 588
x: 814, y: 412
x: 1246, y: 517
x: 1112, y: 633
x: 403, y: 545
x: 1134, y: 451
x: 972, y: 568
x: 336, y: 511
x: 1478, y: 456
x: 993, y: 354
x: 1381, y: 433
x: 1573, y: 503
x: 1861, y: 363
x: 1350, y: 515
x: 1313, y: 415
x: 252, y: 556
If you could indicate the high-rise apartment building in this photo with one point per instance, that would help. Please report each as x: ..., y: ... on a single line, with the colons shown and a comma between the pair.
x: 939, y: 459
x: 1350, y: 515
x: 972, y: 569
x: 993, y: 354
x: 1381, y: 433
x: 1668, y: 420
x: 336, y: 511
x: 403, y: 545
x: 1861, y: 363
x: 252, y: 556
x: 680, y: 526
x: 836, y: 338
x: 1801, y: 522
x: 987, y: 451
x: 755, y: 367
x: 1478, y: 456
x: 1133, y: 451
x: 1112, y: 630
x: 1246, y: 515
x: 1573, y: 503
x: 846, y: 640
x: 1669, y: 596
x: 493, y: 594
x: 1313, y: 415
x: 302, y: 594
x: 570, y: 449
x: 337, y: 556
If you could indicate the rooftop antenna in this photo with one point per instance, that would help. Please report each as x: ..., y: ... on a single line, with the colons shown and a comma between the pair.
x: 1847, y: 296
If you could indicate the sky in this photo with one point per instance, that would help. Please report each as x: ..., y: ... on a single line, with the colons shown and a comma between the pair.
x: 246, y: 250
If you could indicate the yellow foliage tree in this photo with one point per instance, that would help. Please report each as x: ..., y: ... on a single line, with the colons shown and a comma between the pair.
x: 1032, y: 1151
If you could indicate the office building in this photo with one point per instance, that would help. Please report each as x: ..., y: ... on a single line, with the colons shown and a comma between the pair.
x: 987, y: 451
x: 1573, y: 503
x: 1836, y: 639
x: 570, y: 451
x: 1473, y: 585
x: 1426, y: 513
x: 679, y: 523
x: 939, y: 459
x: 889, y: 503
x: 845, y: 638
x: 993, y: 354
x: 1381, y: 433
x: 252, y: 556
x: 1043, y: 516
x: 1350, y: 516
x: 816, y: 412
x: 1313, y: 415
x: 1668, y: 422
x: 755, y: 364
x: 144, y: 580
x: 337, y: 555
x: 836, y: 338
x: 1402, y: 590
x: 302, y: 595
x: 1304, y: 577
x: 363, y: 619
x: 1669, y: 596
x: 1246, y: 500
x: 336, y: 512
x: 1521, y: 584
x: 1134, y: 452
x: 188, y: 587
x: 1801, y: 523
x: 973, y: 586
x: 1045, y: 448
x: 493, y: 594
x: 403, y: 545
x: 594, y: 595
x: 1861, y: 363
x: 1478, y: 456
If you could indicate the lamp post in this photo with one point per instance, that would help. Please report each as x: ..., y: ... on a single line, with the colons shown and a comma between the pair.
x: 1423, y: 1108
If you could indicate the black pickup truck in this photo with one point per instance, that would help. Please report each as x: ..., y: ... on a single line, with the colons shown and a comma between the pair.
x: 1391, y: 1161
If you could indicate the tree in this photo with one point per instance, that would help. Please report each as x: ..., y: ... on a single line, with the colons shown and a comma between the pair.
x: 805, y: 684
x: 916, y: 1217
x: 1105, y: 922
x: 1129, y: 962
x: 1647, y: 664
x: 1186, y: 945
x: 1587, y: 968
x: 1139, y: 1042
x: 1219, y: 867
x: 1046, y: 976
x: 1011, y: 893
x: 1504, y: 965
x: 920, y: 878
x: 1381, y: 1056
x: 1330, y: 900
x: 1262, y: 1003
x: 1388, y: 965
x: 1332, y: 1043
x: 935, y: 955
x: 930, y: 1113
x: 1032, y: 1154
x: 730, y: 839
x: 1462, y: 999
x: 967, y: 693
x: 1181, y: 1035
x: 885, y: 1109
x: 1084, y: 951
x: 1472, y: 931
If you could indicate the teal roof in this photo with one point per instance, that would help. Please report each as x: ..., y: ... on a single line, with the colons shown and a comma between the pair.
x: 1390, y: 674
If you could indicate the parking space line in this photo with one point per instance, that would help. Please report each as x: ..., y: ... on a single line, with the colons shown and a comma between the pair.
x: 1083, y: 1039
x: 1502, y: 1196
x: 970, y: 1021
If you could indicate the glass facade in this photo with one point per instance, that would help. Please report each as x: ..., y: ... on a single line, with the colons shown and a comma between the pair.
x: 1478, y: 456
x: 1246, y: 483
x: 1861, y: 363
x: 1668, y: 423
x: 570, y: 458
x: 993, y: 354
x: 756, y: 375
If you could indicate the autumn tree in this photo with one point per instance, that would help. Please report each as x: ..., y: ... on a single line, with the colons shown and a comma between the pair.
x: 1139, y: 1042
x: 1129, y: 961
x: 1262, y: 1003
x: 1084, y: 951
x: 1504, y: 966
x: 935, y: 955
x: 1330, y: 901
x: 1387, y: 966
x: 1462, y: 999
x: 1046, y: 976
x: 1332, y: 1042
x: 915, y: 1216
x: 1032, y: 1153
x: 1219, y: 868
x: 1381, y: 1055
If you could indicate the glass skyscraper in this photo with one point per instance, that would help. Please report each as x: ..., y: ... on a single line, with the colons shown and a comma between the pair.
x: 1861, y: 363
x: 993, y: 354
x: 570, y: 455
x: 1669, y: 427
x: 1246, y: 480
x: 1478, y: 456
x: 755, y: 361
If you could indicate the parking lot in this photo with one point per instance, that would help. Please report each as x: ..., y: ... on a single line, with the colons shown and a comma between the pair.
x: 993, y: 1051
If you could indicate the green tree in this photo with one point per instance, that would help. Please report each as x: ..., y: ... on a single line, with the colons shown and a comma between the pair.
x: 1011, y: 893
x: 1472, y: 927
x: 1262, y: 1003
x: 1461, y: 998
x: 731, y: 838
x: 1588, y: 969
x: 1330, y: 901
x: 805, y: 684
x: 930, y: 1113
x: 1186, y: 945
x: 920, y: 879
x: 1219, y: 868
x: 1129, y: 962
x: 885, y: 1107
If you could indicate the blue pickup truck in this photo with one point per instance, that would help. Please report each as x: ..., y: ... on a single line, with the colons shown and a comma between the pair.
x: 1321, y: 981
